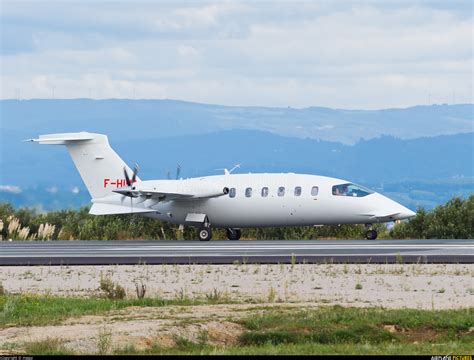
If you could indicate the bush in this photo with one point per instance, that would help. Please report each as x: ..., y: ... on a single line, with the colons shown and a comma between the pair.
x: 110, y: 289
x: 453, y: 220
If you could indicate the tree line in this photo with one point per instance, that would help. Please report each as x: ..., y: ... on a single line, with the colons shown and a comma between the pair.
x: 452, y: 220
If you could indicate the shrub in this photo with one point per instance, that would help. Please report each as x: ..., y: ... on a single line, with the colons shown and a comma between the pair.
x: 111, y: 290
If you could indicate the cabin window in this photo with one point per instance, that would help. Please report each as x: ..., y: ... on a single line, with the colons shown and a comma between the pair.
x: 352, y: 190
x: 232, y: 192
x: 314, y: 191
x: 281, y: 191
x: 298, y: 191
x: 264, y: 191
x: 248, y: 192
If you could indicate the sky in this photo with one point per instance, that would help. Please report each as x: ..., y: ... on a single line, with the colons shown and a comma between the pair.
x: 340, y: 54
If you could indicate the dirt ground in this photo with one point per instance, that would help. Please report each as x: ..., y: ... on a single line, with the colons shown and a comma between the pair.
x: 140, y: 327
x: 419, y: 286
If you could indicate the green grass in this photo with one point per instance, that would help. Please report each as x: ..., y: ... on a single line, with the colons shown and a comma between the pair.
x: 353, y: 334
x: 46, y: 347
x: 337, y: 317
x: 30, y: 310
x: 55, y: 347
x: 308, y: 349
x: 338, y: 330
x: 341, y: 330
x: 324, y: 330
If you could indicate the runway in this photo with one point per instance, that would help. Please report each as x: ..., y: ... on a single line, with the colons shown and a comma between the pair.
x: 91, y: 252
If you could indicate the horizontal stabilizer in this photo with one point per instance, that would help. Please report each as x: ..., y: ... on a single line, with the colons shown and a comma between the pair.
x: 110, y: 209
x: 63, y: 139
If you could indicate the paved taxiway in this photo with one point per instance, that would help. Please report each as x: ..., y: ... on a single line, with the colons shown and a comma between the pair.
x: 224, y: 252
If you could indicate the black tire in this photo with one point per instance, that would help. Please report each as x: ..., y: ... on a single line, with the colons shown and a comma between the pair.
x: 205, y: 234
x: 371, y: 235
x: 233, y: 234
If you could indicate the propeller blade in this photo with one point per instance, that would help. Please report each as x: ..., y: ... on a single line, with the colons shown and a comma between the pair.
x: 135, y: 171
x: 125, y: 191
x: 127, y: 179
x: 178, y: 171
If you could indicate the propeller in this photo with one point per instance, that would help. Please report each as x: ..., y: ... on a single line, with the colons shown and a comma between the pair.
x: 134, y: 175
x: 130, y: 184
x: 126, y: 191
x: 178, y: 171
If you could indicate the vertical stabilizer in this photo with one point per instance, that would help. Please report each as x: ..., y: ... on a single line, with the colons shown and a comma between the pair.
x: 98, y: 164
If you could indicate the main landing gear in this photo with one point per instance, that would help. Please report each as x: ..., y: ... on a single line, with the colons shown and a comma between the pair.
x: 370, y: 234
x: 205, y: 233
x: 233, y: 234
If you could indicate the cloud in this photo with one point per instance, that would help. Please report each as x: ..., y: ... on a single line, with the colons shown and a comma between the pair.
x: 11, y: 189
x: 52, y: 190
x: 341, y: 54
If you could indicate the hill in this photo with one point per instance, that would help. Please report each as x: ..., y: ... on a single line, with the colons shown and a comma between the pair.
x: 138, y: 119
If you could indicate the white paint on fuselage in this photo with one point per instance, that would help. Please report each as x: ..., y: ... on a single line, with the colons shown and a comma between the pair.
x: 273, y: 210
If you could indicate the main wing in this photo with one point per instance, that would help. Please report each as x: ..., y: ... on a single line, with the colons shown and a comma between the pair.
x: 137, y: 199
x: 167, y: 196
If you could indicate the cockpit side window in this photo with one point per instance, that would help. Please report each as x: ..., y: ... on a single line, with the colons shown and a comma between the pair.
x: 350, y: 190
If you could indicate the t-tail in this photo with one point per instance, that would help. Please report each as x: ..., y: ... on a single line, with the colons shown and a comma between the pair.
x: 101, y: 169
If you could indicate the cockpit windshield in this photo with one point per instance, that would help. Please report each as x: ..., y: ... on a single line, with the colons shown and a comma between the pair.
x: 350, y: 190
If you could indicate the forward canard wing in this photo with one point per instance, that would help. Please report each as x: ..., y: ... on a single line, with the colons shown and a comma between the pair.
x: 381, y: 218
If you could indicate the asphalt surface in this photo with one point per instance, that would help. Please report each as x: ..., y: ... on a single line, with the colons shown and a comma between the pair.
x: 90, y: 252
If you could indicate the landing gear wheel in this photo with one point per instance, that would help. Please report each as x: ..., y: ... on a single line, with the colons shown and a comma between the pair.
x: 233, y: 234
x: 371, y: 235
x: 205, y: 234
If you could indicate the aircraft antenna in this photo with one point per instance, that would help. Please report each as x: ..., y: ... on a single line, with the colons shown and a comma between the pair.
x: 236, y: 166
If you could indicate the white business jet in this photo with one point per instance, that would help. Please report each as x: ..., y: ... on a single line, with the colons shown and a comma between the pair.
x: 230, y: 201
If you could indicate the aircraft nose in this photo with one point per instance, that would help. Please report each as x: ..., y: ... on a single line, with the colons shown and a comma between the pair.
x: 405, y: 213
x: 387, y: 206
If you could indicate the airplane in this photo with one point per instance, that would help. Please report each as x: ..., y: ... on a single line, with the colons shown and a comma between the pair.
x: 230, y: 201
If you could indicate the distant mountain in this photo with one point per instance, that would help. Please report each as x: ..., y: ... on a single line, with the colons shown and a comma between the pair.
x: 423, y: 171
x: 138, y: 119
x: 368, y: 161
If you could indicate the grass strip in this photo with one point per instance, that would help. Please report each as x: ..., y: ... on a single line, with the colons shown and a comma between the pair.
x: 31, y: 310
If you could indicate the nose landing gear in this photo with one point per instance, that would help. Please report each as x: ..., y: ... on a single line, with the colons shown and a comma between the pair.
x: 370, y: 234
x: 204, y: 230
